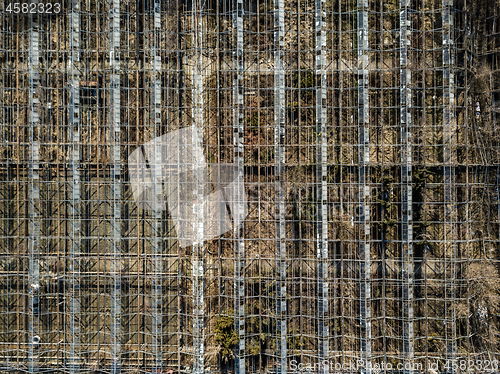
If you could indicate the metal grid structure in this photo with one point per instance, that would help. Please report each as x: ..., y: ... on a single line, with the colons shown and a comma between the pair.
x: 365, y: 131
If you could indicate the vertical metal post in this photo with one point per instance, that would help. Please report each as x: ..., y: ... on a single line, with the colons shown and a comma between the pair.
x: 34, y: 194
x: 181, y: 91
x: 279, y: 163
x: 238, y: 128
x: 198, y: 206
x: 114, y: 61
x: 364, y: 183
x: 406, y: 185
x: 156, y: 236
x: 75, y: 205
x: 449, y: 160
x: 321, y: 188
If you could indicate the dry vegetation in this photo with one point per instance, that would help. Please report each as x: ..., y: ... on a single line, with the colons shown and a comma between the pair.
x: 471, y: 262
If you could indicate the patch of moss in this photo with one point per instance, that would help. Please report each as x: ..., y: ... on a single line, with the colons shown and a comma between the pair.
x: 304, y: 79
x: 225, y: 336
x: 252, y: 122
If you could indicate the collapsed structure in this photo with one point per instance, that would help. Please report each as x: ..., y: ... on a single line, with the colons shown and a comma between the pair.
x: 366, y: 135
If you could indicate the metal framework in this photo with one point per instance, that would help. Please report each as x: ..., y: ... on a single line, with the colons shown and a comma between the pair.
x: 364, y: 191
x: 279, y: 192
x: 75, y: 206
x: 449, y: 160
x: 156, y: 232
x: 408, y: 267
x: 239, y: 160
x: 34, y: 195
x: 322, y: 186
x: 366, y: 136
x: 116, y: 185
x: 198, y: 206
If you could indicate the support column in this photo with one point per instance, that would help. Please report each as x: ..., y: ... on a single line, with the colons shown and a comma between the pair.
x: 156, y: 214
x: 34, y: 195
x: 75, y: 197
x: 114, y: 61
x: 449, y: 162
x: 279, y: 165
x: 321, y: 188
x: 364, y: 184
x: 198, y: 206
x: 239, y: 249
x: 406, y: 184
